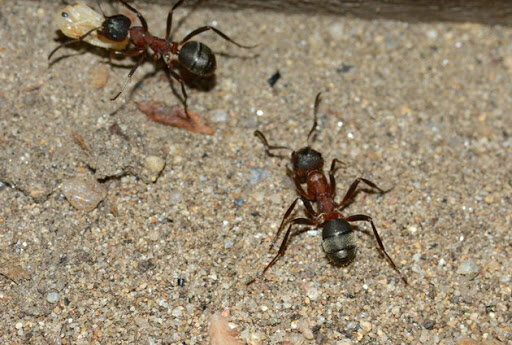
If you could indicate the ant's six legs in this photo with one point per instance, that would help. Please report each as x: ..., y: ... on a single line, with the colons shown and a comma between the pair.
x: 140, y: 61
x: 282, y: 248
x: 351, y: 191
x: 365, y: 218
x: 168, y: 28
x: 218, y: 32
x: 332, y: 171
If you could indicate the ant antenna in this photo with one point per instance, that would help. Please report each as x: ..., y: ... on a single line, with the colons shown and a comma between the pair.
x: 270, y: 147
x: 101, y: 9
x: 315, y: 119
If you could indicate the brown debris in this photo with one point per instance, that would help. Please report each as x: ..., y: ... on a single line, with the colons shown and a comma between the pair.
x: 219, y: 331
x: 174, y: 116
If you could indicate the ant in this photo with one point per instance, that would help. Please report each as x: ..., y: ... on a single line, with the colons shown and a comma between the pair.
x: 337, y: 234
x: 194, y: 56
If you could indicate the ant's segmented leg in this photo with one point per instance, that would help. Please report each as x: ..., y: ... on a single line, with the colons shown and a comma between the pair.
x: 282, y: 248
x: 365, y: 218
x: 218, y: 32
x: 351, y: 191
x: 283, y: 222
x: 168, y: 28
x: 183, y: 91
x: 332, y: 171
x: 140, y: 61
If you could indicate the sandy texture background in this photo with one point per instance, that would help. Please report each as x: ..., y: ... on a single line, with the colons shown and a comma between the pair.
x: 423, y: 108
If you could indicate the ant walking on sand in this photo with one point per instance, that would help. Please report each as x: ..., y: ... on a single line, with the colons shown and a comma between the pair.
x: 194, y: 56
x: 337, y: 234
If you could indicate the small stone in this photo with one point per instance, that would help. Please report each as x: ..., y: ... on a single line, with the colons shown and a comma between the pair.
x: 219, y: 115
x: 83, y: 192
x: 19, y: 325
x: 336, y: 31
x: 467, y: 341
x: 305, y: 329
x: 258, y: 174
x: 52, y: 297
x: 468, y: 267
x: 429, y: 324
x: 98, y: 76
x: 366, y: 326
x: 153, y: 166
x: 313, y: 293
x: 177, y: 312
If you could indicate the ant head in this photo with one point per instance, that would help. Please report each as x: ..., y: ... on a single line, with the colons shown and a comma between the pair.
x: 306, y: 160
x: 197, y: 58
x: 116, y: 27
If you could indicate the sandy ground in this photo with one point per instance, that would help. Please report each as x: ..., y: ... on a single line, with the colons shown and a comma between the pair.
x: 423, y: 108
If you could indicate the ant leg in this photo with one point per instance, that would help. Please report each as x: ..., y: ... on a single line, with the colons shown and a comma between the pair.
x: 139, y: 15
x: 282, y: 248
x: 302, y: 192
x: 183, y: 91
x: 332, y: 171
x: 365, y: 218
x: 218, y: 32
x: 309, y: 209
x: 270, y: 147
x: 283, y: 222
x: 169, y: 20
x: 351, y: 191
x: 79, y: 39
x: 140, y: 61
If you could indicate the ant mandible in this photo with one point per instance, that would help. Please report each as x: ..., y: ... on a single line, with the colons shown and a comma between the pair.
x: 194, y: 56
x: 337, y: 234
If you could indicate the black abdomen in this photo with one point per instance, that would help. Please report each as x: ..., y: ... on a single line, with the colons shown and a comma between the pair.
x: 338, y: 241
x: 197, y: 58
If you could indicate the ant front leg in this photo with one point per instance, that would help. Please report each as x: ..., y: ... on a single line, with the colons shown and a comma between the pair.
x: 218, y: 32
x: 140, y: 61
x: 332, y: 171
x: 283, y: 222
x: 352, y: 190
x: 282, y: 248
x: 365, y: 218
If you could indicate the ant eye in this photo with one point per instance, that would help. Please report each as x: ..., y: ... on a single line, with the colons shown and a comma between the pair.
x: 64, y: 14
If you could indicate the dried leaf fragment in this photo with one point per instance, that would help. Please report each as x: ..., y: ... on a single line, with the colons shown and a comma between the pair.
x: 220, y: 333
x: 174, y: 116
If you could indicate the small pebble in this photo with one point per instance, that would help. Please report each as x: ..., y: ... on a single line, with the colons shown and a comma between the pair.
x: 153, y: 166
x: 83, y: 192
x: 177, y: 312
x: 18, y: 325
x: 218, y: 115
x: 98, y: 76
x: 366, y: 326
x: 258, y: 174
x: 52, y: 297
x: 305, y: 329
x: 468, y: 267
x: 313, y: 293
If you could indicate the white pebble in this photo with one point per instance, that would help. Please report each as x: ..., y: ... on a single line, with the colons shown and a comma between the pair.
x: 468, y: 267
x: 52, y: 297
